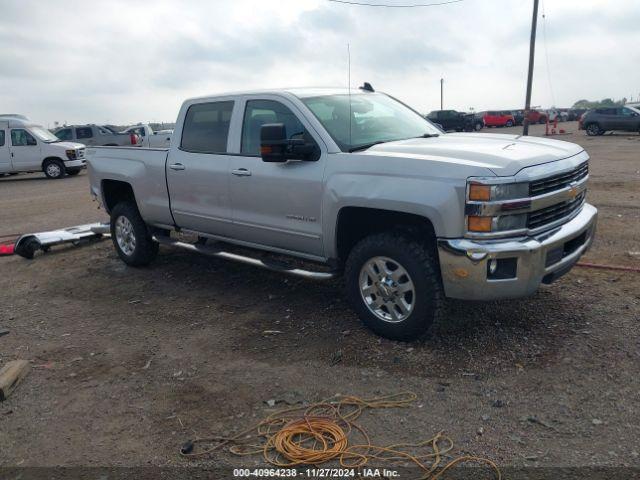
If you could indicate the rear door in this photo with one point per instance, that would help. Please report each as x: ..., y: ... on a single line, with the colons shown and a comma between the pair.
x: 198, y: 169
x: 276, y: 204
x: 25, y: 150
x: 85, y: 135
x: 5, y: 156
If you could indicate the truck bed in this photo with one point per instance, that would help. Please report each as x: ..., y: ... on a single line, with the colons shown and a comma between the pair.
x: 142, y: 168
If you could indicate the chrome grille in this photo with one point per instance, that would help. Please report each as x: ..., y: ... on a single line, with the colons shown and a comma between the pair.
x: 81, y: 153
x: 561, y: 180
x: 556, y: 212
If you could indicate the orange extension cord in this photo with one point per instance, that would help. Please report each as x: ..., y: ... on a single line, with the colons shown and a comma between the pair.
x: 320, y: 433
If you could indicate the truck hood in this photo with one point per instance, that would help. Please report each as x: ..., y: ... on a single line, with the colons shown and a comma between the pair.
x: 504, y: 155
x: 67, y: 145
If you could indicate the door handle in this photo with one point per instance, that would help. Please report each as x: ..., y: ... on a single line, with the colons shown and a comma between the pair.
x: 241, y: 172
x: 177, y: 166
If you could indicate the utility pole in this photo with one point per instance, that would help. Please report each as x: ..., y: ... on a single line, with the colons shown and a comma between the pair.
x: 532, y: 54
x: 442, y: 94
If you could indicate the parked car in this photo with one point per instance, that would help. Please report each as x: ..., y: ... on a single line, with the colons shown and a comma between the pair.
x: 560, y: 114
x: 454, y: 120
x: 536, y: 116
x: 149, y: 138
x: 600, y: 120
x: 495, y: 118
x: 97, y: 135
x: 26, y: 146
x: 361, y: 184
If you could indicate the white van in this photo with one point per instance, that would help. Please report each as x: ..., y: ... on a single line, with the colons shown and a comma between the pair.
x: 28, y: 147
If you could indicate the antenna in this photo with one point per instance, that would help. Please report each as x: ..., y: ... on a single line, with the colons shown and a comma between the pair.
x: 349, y: 87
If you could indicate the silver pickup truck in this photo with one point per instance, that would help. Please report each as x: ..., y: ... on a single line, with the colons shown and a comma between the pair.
x: 359, y: 184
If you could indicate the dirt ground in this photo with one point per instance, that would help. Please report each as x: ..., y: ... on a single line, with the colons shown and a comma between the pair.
x: 127, y: 363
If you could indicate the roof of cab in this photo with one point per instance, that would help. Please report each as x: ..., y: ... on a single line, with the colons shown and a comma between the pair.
x: 16, y: 120
x: 301, y: 92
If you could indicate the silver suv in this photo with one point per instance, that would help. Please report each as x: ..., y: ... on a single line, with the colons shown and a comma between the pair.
x: 97, y: 135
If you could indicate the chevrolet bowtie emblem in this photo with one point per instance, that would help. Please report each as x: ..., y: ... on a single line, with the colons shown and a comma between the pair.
x: 573, y: 192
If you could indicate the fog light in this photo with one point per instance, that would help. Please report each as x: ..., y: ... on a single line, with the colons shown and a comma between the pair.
x: 493, y: 266
x: 502, y: 268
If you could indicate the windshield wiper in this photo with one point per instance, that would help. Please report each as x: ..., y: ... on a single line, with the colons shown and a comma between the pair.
x: 368, y: 145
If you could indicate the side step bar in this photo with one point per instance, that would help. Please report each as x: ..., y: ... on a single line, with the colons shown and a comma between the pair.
x: 274, y: 266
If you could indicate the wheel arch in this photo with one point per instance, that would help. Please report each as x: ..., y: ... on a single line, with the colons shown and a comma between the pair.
x: 51, y: 157
x: 355, y: 223
x: 114, y: 192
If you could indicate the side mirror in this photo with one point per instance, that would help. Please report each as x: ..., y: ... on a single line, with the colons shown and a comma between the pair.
x: 276, y: 147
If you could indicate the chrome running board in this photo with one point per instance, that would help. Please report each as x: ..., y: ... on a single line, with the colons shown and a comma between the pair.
x: 273, y: 266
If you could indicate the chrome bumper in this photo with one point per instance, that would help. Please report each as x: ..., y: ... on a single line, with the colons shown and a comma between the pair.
x: 78, y: 163
x: 464, y: 263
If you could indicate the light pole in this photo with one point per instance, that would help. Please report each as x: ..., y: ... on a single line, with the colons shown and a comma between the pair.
x: 532, y: 52
x: 442, y: 94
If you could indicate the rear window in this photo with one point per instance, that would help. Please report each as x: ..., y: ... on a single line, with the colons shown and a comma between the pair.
x: 84, y: 132
x: 206, y: 127
x: 1, y: 138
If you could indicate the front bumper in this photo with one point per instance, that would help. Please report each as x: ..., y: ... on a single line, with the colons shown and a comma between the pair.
x: 540, y: 259
x: 79, y: 163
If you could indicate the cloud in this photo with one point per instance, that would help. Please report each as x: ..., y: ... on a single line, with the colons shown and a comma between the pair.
x: 124, y: 62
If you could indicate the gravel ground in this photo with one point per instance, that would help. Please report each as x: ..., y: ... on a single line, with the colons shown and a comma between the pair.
x: 129, y: 363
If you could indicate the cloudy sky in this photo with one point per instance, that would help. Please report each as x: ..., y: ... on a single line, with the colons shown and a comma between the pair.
x: 123, y: 62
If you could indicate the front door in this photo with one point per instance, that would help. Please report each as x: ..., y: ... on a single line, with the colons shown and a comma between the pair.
x: 276, y: 204
x: 25, y: 151
x: 5, y: 155
x: 198, y: 170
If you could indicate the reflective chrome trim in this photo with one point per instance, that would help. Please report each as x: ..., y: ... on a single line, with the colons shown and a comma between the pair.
x: 488, y: 209
x: 463, y: 262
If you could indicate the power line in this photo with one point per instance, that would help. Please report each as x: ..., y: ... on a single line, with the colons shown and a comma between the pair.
x: 546, y: 53
x: 387, y: 5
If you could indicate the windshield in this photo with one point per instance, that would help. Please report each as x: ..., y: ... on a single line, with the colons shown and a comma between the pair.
x: 43, y: 134
x: 374, y: 118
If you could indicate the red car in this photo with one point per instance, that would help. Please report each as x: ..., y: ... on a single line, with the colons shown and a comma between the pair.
x: 537, y: 117
x: 498, y: 119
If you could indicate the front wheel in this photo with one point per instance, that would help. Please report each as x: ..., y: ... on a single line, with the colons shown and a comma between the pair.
x: 53, y: 168
x: 131, y: 237
x: 393, y: 283
x: 594, y: 129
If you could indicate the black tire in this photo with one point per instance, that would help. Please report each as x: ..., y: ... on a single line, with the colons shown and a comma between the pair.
x: 509, y: 123
x: 478, y: 126
x: 53, y: 168
x: 421, y: 268
x: 73, y: 172
x: 593, y: 129
x: 144, y: 249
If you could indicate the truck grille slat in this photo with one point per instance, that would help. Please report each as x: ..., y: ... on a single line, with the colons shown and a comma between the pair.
x: 559, y: 181
x: 554, y: 213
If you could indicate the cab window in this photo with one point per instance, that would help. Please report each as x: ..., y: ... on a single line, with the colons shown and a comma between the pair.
x: 206, y: 127
x: 64, y: 134
x: 260, y: 112
x: 84, y: 132
x: 22, y: 138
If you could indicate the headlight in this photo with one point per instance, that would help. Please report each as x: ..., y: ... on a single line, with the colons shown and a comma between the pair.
x: 505, y: 191
x: 72, y: 154
x: 489, y: 207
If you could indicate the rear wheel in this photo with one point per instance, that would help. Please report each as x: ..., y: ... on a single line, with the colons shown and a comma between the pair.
x: 593, y: 129
x: 131, y: 237
x: 53, y: 168
x: 393, y: 283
